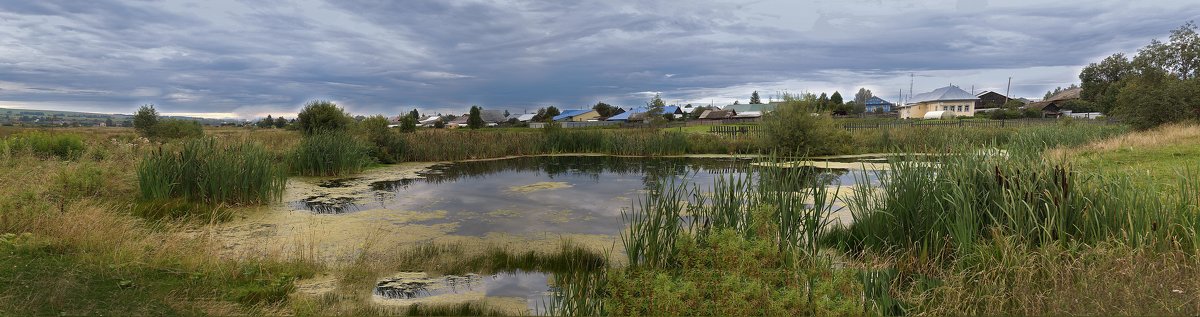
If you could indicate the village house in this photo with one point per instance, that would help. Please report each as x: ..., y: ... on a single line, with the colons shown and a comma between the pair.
x: 949, y: 101
x: 876, y: 104
x: 577, y: 115
x: 990, y: 100
x: 1052, y: 107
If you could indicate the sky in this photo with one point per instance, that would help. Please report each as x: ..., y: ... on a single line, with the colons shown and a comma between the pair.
x: 250, y: 58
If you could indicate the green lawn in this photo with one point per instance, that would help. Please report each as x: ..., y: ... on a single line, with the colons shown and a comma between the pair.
x: 1162, y: 163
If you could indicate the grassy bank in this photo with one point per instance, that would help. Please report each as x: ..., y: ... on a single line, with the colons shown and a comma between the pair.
x: 71, y: 246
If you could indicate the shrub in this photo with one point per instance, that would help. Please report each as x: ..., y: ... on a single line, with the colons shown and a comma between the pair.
x: 329, y: 154
x: 387, y: 143
x: 320, y: 116
x: 206, y: 171
x: 177, y: 129
x: 145, y: 120
x: 799, y: 127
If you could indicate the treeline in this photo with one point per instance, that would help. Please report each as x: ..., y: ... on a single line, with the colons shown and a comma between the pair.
x: 1156, y: 86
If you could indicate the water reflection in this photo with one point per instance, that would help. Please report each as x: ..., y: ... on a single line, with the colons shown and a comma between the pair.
x: 549, y: 194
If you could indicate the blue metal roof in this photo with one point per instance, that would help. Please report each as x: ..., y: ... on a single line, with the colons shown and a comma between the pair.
x: 567, y: 114
x: 876, y: 101
x: 624, y: 116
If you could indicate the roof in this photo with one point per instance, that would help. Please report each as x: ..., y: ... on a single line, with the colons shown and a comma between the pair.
x: 748, y: 114
x: 672, y: 110
x: 945, y: 93
x: 876, y: 101
x: 492, y: 116
x: 1070, y: 93
x: 762, y: 107
x: 717, y: 114
x: 526, y: 117
x: 566, y: 114
x: 624, y: 116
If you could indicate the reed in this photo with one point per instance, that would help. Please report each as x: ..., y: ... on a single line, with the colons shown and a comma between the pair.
x: 440, y: 145
x: 203, y: 170
x: 329, y: 153
x: 972, y: 198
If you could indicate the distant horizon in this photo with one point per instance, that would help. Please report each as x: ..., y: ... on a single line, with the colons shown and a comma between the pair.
x: 228, y: 60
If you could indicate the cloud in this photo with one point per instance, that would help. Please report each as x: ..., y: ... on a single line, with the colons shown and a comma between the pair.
x: 258, y: 57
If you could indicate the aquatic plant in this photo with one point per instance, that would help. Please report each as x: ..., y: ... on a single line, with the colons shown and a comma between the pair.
x: 329, y: 153
x: 974, y: 197
x: 203, y: 170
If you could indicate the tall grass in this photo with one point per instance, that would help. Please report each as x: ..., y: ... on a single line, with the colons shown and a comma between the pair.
x: 65, y: 146
x: 329, y: 153
x: 441, y: 145
x: 203, y: 170
x: 945, y: 210
x: 949, y: 138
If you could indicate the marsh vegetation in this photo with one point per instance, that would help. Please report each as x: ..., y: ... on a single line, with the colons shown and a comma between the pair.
x: 1019, y: 220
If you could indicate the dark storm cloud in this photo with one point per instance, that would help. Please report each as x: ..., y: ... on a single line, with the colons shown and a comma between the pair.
x: 257, y: 57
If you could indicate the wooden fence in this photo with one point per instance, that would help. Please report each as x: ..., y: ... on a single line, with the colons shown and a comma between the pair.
x: 733, y: 130
x: 966, y: 123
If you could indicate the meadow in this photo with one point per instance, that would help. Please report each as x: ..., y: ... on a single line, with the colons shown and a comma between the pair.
x: 101, y: 221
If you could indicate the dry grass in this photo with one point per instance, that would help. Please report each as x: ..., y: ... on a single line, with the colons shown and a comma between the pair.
x: 1157, y: 137
x: 1106, y: 279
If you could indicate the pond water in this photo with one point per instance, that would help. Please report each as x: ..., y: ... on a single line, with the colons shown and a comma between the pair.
x: 532, y: 288
x: 543, y: 196
x: 555, y: 194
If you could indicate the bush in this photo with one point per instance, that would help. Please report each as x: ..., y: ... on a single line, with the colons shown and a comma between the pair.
x: 321, y: 116
x: 797, y: 127
x: 330, y: 154
x: 145, y: 120
x: 205, y: 171
x: 387, y: 143
x: 64, y: 146
x: 177, y: 129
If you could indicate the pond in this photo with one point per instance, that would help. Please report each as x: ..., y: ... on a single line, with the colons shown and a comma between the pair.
x: 524, y: 204
x: 568, y: 194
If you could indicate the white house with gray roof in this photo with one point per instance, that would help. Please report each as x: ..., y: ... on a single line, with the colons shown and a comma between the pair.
x: 950, y: 99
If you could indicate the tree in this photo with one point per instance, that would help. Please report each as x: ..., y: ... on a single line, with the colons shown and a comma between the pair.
x: 836, y: 99
x: 735, y: 102
x: 145, y: 120
x: 1179, y: 57
x: 506, y: 114
x: 1155, y: 98
x: 266, y: 122
x: 414, y: 114
x: 108, y: 122
x: 408, y: 124
x: 280, y: 123
x: 754, y: 100
x: 862, y: 95
x: 823, y: 102
x: 605, y: 110
x: 475, y: 121
x: 551, y: 112
x: 654, y: 113
x: 1101, y: 81
x: 318, y: 116
x: 439, y: 124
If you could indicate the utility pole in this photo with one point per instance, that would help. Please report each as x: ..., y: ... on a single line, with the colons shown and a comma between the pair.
x: 1008, y: 90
